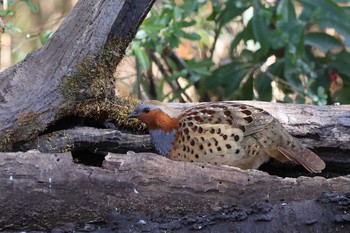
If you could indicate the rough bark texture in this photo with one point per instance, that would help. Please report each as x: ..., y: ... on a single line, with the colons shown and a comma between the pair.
x: 43, y: 191
x: 33, y: 93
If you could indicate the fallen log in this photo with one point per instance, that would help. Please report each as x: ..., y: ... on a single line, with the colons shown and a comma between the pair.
x: 41, y: 191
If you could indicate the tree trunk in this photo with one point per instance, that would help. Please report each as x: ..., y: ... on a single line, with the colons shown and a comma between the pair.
x: 74, y: 68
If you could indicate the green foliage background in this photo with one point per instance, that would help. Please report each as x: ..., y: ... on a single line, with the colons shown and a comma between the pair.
x: 299, y: 46
x: 187, y: 50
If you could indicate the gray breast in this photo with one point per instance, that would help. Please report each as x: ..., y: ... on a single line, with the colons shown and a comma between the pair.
x: 163, y: 141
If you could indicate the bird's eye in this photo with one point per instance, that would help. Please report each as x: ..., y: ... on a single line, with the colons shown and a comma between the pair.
x: 146, y: 110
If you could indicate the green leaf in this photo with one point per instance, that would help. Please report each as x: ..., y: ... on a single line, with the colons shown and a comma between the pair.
x: 191, y: 36
x: 322, y: 41
x: 32, y: 6
x: 6, y: 13
x: 247, y: 89
x: 340, y: 62
x: 11, y: 28
x: 228, y: 76
x: 286, y: 11
x: 141, y: 55
x: 262, y: 84
x: 262, y: 81
x: 231, y: 11
x: 328, y: 14
x: 245, y: 35
x: 177, y: 13
x: 45, y: 36
x: 292, y: 72
x: 261, y: 30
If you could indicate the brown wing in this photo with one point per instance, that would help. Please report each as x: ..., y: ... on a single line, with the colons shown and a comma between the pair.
x: 245, y: 117
x: 214, y: 132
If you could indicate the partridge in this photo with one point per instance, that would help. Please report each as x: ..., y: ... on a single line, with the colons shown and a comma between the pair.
x: 222, y: 133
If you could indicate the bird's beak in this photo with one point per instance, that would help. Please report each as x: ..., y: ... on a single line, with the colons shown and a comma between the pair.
x: 133, y: 115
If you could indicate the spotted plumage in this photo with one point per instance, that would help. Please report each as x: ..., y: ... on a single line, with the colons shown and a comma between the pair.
x: 223, y: 133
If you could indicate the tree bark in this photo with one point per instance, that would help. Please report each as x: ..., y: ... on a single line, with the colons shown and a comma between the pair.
x: 43, y: 191
x: 74, y: 67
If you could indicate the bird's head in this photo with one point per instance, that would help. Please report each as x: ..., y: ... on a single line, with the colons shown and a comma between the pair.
x: 156, y: 115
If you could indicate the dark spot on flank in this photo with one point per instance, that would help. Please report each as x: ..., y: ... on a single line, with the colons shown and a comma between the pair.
x: 200, y: 130
x: 202, y: 138
x: 215, y: 141
x: 188, y: 137
x: 186, y: 131
x: 212, y: 130
x: 228, y: 146
x: 248, y: 119
x: 184, y: 148
x: 219, y: 148
x: 247, y: 112
x: 192, y: 142
x: 219, y: 131
x: 227, y: 113
x: 222, y: 156
x: 190, y: 118
x: 218, y: 121
x: 216, y: 163
x: 201, y: 147
x: 210, y: 112
x: 243, y: 107
x: 210, y: 150
x: 190, y: 124
x: 237, y: 151
x: 224, y: 137
x: 196, y: 156
x: 191, y: 161
x: 229, y: 121
x: 209, y: 144
x: 242, y: 127
x: 236, y: 137
x: 198, y: 118
x: 195, y: 128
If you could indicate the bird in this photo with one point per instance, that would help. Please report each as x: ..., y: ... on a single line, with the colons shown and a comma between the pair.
x: 222, y: 133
